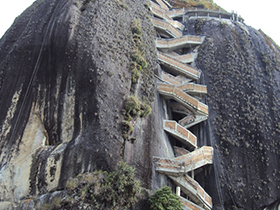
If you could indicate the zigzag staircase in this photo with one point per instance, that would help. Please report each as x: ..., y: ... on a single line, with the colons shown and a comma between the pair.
x: 184, y: 94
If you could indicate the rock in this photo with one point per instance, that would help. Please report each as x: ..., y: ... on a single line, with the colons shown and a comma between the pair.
x: 65, y: 72
x: 241, y: 70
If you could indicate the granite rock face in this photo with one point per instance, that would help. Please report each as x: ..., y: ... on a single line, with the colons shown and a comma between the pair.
x: 65, y: 72
x: 241, y: 70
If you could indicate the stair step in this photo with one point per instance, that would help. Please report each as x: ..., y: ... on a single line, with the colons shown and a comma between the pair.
x: 188, y: 205
x: 179, y: 151
x: 183, y: 164
x: 191, y: 188
x: 191, y: 120
x: 159, y: 10
x: 163, y: 5
x: 180, y: 133
x: 178, y: 67
x: 179, y: 42
x: 166, y: 27
x: 193, y: 88
x: 170, y: 91
x: 185, y: 58
x: 176, y: 13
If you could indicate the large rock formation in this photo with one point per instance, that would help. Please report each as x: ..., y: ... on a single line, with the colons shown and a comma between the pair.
x: 65, y: 72
x: 241, y: 70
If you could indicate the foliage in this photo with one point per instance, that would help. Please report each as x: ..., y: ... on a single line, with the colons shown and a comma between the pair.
x: 139, y: 59
x: 102, y: 189
x: 136, y: 27
x: 145, y: 110
x: 127, y: 129
x: 131, y: 104
x: 163, y: 199
x: 203, y: 4
x: 134, y: 108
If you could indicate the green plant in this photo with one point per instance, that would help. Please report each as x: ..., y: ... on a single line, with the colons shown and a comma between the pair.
x: 127, y: 127
x: 136, y: 27
x: 145, y: 110
x: 264, y: 58
x: 164, y: 199
x: 130, y: 104
x: 101, y: 189
x: 139, y: 59
x: 122, y: 188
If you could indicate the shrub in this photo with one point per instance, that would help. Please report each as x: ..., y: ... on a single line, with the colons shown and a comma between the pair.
x: 136, y: 27
x: 127, y: 128
x: 139, y: 59
x: 130, y: 104
x: 133, y: 109
x: 135, y: 68
x: 121, y: 187
x: 101, y: 189
x: 163, y: 199
x: 145, y: 110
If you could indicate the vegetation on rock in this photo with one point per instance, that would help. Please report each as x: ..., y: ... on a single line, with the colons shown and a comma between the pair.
x: 133, y: 108
x: 164, y: 199
x: 100, y: 190
x: 191, y: 4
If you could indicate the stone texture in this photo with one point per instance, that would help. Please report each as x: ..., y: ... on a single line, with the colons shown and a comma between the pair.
x: 64, y: 75
x: 241, y: 70
x: 65, y: 72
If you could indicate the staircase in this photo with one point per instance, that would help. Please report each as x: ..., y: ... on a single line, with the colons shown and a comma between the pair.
x: 186, y: 163
x: 165, y: 28
x: 180, y: 133
x: 186, y: 58
x: 178, y: 42
x: 192, y: 188
x: 175, y: 13
x: 178, y: 86
x: 177, y: 67
x: 172, y: 92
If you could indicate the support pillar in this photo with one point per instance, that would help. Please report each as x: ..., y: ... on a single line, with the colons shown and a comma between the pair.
x: 178, y: 191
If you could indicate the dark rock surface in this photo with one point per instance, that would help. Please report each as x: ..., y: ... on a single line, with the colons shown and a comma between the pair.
x: 241, y: 70
x: 65, y: 71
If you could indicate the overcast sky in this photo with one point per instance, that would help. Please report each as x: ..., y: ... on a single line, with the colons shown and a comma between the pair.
x: 259, y: 14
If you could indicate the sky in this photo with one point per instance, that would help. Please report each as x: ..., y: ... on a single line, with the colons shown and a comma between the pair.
x: 259, y: 14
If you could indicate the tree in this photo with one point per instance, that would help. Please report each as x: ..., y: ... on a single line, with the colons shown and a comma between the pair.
x: 164, y: 199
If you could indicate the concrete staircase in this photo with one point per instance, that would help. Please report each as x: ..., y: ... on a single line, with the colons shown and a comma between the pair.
x: 178, y: 42
x: 178, y: 86
x: 165, y: 28
x: 172, y: 92
x: 181, y: 165
x: 161, y: 13
x: 192, y: 188
x: 178, y: 67
x: 176, y: 13
x: 186, y: 58
x: 180, y: 133
x: 184, y: 85
x: 188, y: 205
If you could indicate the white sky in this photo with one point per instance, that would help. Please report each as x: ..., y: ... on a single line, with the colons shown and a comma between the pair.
x: 260, y: 14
